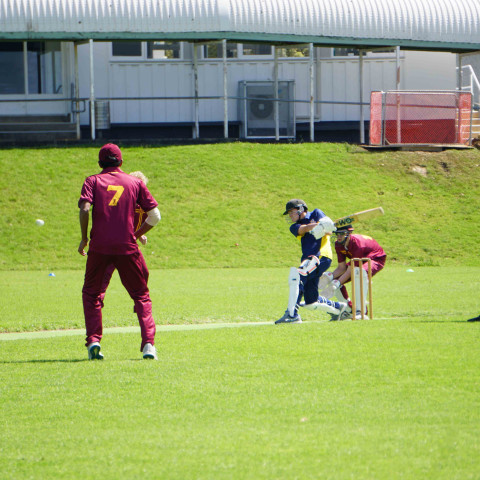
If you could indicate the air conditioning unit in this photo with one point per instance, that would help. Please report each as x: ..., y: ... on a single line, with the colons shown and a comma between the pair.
x: 256, y: 109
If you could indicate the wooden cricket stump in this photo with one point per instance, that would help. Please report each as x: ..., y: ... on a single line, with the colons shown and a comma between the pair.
x: 360, y: 262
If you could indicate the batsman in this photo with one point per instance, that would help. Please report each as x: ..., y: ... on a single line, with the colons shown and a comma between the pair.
x: 313, y: 229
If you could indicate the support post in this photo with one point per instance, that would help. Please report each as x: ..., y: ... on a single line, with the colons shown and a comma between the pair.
x: 397, y: 68
x: 76, y: 91
x: 225, y: 89
x: 459, y: 72
x: 397, y: 84
x: 312, y: 91
x: 362, y: 119
x: 92, y: 93
x: 196, y: 129
x: 276, y: 105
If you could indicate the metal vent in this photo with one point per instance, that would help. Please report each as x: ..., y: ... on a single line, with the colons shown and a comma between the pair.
x: 256, y: 109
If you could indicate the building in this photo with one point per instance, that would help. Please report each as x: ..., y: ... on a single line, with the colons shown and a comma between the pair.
x: 159, y: 69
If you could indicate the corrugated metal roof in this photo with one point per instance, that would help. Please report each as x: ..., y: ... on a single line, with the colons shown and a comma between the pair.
x: 436, y: 24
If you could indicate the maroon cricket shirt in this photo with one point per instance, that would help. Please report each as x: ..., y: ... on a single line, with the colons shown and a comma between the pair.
x: 115, y: 196
x: 360, y: 246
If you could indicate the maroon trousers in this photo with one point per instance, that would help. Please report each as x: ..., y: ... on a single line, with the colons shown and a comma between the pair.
x: 134, y: 276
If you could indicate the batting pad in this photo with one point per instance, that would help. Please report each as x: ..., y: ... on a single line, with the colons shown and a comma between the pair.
x: 294, y: 288
x: 358, y: 303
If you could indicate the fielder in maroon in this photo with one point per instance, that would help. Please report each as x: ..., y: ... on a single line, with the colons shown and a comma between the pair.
x: 350, y: 246
x: 140, y: 216
x: 114, y: 196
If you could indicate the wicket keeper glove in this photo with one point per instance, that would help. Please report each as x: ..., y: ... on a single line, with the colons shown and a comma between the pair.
x: 325, y: 280
x: 329, y: 292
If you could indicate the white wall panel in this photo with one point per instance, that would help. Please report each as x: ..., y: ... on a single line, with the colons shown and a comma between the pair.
x: 336, y: 79
x: 339, y: 82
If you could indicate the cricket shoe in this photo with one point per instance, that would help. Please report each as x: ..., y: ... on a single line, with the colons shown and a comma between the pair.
x: 149, y: 352
x: 358, y: 316
x: 339, y: 316
x: 94, y: 352
x: 346, y: 315
x: 288, y: 319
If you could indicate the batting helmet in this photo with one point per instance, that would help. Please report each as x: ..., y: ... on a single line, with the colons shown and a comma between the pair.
x: 345, y: 229
x: 295, y: 203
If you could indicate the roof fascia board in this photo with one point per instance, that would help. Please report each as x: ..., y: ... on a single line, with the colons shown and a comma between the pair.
x: 410, y: 44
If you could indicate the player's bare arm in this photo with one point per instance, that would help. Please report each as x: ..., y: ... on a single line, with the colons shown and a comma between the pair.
x: 342, y: 273
x: 306, y: 228
x: 83, y: 217
x: 144, y: 228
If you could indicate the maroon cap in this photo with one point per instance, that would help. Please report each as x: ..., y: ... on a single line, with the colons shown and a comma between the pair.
x: 110, y: 152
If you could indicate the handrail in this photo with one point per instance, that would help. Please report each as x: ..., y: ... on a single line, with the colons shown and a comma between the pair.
x: 473, y: 82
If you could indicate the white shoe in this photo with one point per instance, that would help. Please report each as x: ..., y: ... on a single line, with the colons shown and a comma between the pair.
x: 149, y: 352
x: 94, y: 352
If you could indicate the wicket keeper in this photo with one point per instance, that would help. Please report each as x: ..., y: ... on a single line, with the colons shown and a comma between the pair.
x: 350, y: 246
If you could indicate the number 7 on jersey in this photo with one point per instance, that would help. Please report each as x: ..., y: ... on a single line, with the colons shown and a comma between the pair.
x: 118, y: 189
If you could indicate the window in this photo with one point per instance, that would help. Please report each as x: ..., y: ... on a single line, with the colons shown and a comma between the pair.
x: 127, y: 49
x: 40, y: 63
x: 345, y: 52
x: 12, y: 75
x: 44, y: 67
x: 294, y: 52
x: 151, y: 51
x: 215, y: 50
x: 354, y: 52
x: 163, y: 50
x: 256, y: 49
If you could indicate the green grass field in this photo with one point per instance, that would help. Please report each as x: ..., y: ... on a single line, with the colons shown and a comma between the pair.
x: 213, y: 197
x: 234, y: 396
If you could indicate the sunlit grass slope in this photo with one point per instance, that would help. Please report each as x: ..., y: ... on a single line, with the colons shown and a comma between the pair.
x: 222, y: 204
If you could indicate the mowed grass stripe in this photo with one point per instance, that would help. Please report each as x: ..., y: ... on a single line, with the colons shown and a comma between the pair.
x: 132, y: 329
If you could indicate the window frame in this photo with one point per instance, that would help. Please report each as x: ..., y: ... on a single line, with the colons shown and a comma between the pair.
x: 144, y: 56
x: 367, y: 53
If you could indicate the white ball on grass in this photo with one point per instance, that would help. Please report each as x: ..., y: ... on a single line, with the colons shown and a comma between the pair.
x: 39, y: 222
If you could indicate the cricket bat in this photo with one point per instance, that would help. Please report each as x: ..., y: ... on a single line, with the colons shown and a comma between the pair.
x: 359, y: 216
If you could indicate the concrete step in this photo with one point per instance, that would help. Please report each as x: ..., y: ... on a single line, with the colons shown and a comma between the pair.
x: 28, y: 129
x: 21, y: 119
x: 37, y: 127
x: 24, y: 138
